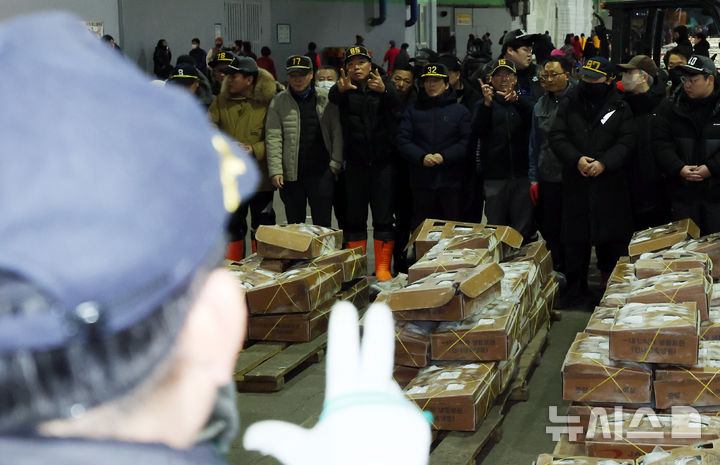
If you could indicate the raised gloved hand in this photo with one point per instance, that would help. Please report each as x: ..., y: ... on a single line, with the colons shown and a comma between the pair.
x: 534, y: 193
x: 366, y: 418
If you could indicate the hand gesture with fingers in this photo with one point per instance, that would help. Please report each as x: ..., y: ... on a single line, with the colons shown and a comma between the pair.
x: 375, y: 82
x: 487, y: 92
x: 344, y: 84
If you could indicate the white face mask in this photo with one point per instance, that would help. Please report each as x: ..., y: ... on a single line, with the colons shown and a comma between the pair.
x: 194, y: 45
x: 324, y: 84
x: 631, y: 81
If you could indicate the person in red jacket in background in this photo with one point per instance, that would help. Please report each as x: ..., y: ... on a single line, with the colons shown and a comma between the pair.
x: 390, y: 56
x: 267, y: 63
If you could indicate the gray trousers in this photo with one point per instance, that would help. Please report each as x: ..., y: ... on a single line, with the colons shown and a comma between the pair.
x: 507, y: 202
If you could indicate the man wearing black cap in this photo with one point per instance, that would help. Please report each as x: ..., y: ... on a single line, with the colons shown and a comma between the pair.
x: 217, y: 69
x: 240, y: 110
x: 185, y: 76
x: 466, y: 94
x: 687, y: 142
x: 517, y: 46
x: 593, y: 136
x: 644, y: 93
x: 502, y: 123
x: 304, y: 145
x: 366, y: 102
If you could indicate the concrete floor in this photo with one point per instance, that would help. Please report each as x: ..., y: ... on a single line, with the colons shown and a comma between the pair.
x: 523, y: 430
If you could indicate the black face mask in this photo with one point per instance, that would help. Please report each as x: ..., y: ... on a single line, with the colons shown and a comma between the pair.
x: 593, y: 91
x: 675, y: 75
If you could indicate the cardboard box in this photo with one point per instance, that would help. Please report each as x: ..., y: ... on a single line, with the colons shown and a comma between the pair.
x: 683, y: 286
x: 250, y: 278
x: 703, y: 453
x: 695, y: 386
x: 583, y: 416
x: 623, y: 273
x: 485, y: 336
x: 657, y: 333
x: 589, y: 375
x: 449, y: 296
x: 483, y: 239
x: 357, y: 293
x: 290, y: 327
x: 353, y: 262
x: 710, y: 329
x: 662, y: 237
x: 671, y: 261
x: 548, y: 459
x: 403, y: 375
x: 458, y: 396
x: 601, y: 321
x: 506, y: 368
x: 427, y: 234
x: 446, y: 260
x: 248, y: 263
x: 709, y: 245
x: 296, y: 241
x: 280, y: 265
x: 295, y: 291
x: 616, y: 295
x: 521, y: 275
x: 626, y: 439
x: 412, y: 343
x: 715, y: 297
x: 536, y: 252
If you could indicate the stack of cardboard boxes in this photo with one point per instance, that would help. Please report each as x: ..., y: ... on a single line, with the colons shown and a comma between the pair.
x: 298, y: 273
x: 650, y: 346
x: 471, y: 302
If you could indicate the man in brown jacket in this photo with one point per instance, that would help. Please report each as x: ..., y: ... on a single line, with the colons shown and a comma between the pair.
x: 240, y: 111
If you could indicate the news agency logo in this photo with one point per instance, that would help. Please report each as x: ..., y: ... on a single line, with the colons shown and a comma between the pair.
x: 619, y: 423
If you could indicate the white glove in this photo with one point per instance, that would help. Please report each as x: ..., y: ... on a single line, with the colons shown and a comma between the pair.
x: 366, y: 418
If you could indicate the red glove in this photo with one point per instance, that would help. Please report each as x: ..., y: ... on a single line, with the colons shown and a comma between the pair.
x: 534, y: 193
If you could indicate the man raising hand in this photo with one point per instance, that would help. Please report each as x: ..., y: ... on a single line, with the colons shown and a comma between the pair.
x: 366, y: 101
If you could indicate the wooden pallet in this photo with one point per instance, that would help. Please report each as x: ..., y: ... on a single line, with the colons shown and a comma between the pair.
x: 461, y: 448
x: 264, y: 367
x: 565, y: 448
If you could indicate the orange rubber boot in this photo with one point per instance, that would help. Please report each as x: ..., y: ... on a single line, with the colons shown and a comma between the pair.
x: 235, y: 251
x: 253, y: 245
x: 383, y: 259
x: 353, y: 244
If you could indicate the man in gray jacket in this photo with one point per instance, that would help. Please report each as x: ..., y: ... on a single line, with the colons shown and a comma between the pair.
x: 304, y: 145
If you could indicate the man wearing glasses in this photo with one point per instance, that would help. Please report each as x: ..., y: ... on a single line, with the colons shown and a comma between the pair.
x: 545, y: 171
x: 687, y: 143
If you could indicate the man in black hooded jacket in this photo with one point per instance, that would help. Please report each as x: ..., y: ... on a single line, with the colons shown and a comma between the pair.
x: 593, y: 136
x: 687, y: 144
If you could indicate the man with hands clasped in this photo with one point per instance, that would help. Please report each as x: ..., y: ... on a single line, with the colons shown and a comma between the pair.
x: 502, y: 123
x: 687, y: 144
x: 593, y: 136
x: 366, y: 102
x: 304, y: 145
x: 433, y: 138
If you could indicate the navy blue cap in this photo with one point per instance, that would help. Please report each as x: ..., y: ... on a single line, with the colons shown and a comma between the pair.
x: 110, y: 188
x: 598, y: 67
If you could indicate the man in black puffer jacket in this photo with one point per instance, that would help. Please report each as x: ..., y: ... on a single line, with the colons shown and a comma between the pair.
x: 644, y: 94
x: 433, y: 138
x: 503, y: 122
x: 593, y: 137
x: 687, y: 144
x: 366, y: 102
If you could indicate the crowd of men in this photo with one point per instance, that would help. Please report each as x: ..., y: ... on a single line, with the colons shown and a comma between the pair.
x: 584, y: 158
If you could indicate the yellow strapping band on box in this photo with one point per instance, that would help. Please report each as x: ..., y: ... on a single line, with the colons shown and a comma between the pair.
x: 273, y: 328
x: 610, y: 377
x: 402, y: 344
x: 706, y: 387
x: 461, y: 338
x: 281, y: 287
x: 667, y: 323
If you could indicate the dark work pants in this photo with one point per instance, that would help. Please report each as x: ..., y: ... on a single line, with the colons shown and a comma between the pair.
x: 507, y: 202
x: 473, y: 200
x: 438, y: 204
x: 577, y: 259
x: 340, y: 200
x: 403, y: 215
x: 705, y: 214
x: 369, y: 185
x: 317, y: 190
x: 550, y: 221
x: 261, y: 212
